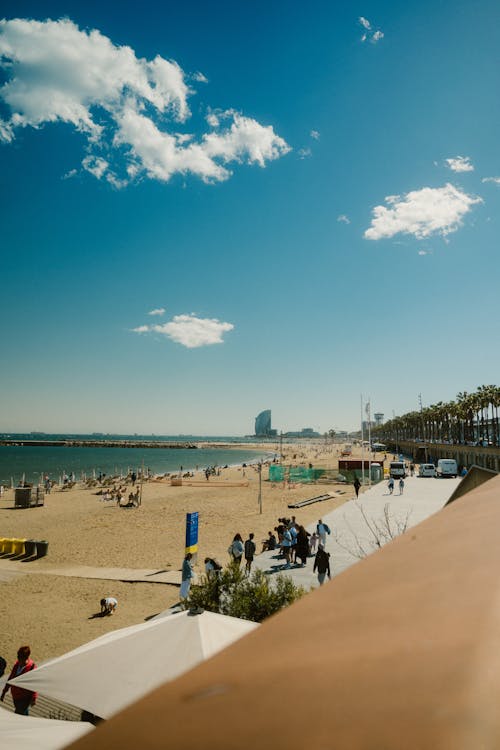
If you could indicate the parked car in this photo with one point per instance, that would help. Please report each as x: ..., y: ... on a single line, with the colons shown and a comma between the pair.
x: 397, y: 469
x: 447, y: 467
x: 427, y: 470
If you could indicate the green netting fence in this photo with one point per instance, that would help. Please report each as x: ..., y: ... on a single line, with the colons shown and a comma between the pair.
x: 300, y: 474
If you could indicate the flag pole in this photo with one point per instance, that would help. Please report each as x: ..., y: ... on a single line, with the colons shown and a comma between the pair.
x: 362, y: 446
x: 369, y: 415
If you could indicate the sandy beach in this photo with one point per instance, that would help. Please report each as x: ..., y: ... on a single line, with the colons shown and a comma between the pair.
x: 54, y: 613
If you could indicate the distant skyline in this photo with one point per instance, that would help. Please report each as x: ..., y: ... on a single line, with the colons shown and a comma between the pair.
x: 212, y: 210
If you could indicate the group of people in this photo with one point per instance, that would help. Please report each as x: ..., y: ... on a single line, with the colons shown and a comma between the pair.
x: 297, y: 544
x: 119, y: 496
x: 390, y: 485
x: 239, y: 549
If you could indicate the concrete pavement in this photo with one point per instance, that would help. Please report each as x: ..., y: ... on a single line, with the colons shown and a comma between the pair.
x: 350, y: 531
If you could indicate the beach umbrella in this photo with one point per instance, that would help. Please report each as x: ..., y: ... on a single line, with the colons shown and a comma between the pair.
x: 31, y: 733
x: 113, y: 671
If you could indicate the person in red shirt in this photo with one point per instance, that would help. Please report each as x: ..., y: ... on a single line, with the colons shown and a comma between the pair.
x: 22, y: 698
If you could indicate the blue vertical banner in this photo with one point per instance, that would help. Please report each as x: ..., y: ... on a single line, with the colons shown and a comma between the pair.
x: 192, y: 533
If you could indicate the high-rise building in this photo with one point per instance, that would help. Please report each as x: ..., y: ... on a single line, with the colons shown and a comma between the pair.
x: 263, y: 424
x: 379, y: 418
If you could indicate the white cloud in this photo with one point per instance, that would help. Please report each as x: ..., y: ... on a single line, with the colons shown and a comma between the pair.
x: 421, y: 213
x: 315, y: 134
x: 199, y: 77
x: 460, y: 164
x: 157, y: 311
x: 343, y: 219
x: 304, y: 153
x: 370, y: 34
x: 425, y: 252
x: 190, y: 331
x: 96, y: 165
x: 494, y: 180
x: 122, y: 103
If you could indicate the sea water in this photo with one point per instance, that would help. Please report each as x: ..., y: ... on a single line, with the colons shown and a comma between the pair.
x: 34, y: 461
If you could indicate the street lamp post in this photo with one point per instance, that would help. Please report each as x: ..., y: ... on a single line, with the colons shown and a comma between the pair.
x: 260, y: 487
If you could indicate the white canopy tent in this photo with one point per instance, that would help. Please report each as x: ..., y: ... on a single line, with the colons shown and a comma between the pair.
x: 111, y: 672
x: 31, y: 733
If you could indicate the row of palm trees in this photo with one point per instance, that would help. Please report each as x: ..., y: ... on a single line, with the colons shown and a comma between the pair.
x: 471, y: 419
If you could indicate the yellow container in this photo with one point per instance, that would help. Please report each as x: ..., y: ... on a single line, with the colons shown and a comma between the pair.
x: 18, y: 546
x: 7, y: 546
x: 2, y: 541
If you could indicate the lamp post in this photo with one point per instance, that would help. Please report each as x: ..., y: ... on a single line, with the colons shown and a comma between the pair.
x: 260, y: 487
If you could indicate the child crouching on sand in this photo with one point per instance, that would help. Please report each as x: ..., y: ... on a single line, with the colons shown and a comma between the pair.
x: 108, y: 605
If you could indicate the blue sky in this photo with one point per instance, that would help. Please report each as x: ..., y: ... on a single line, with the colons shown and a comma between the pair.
x: 287, y: 279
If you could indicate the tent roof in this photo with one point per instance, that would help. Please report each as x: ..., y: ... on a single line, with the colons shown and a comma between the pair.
x: 110, y: 672
x: 400, y: 650
x: 30, y: 733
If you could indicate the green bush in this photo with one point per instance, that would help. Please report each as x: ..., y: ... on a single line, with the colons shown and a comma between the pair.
x: 256, y: 597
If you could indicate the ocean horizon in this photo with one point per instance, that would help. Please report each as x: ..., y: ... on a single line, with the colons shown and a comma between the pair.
x: 32, y: 462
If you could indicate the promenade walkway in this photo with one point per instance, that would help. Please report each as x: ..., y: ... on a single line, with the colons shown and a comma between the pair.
x: 421, y: 498
x: 12, y: 568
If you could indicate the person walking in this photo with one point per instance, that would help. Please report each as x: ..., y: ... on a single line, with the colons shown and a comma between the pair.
x: 322, y: 564
x: 302, y: 546
x: 401, y: 485
x: 357, y: 485
x: 23, y: 699
x: 236, y: 549
x: 390, y: 485
x: 322, y: 529
x: 286, y: 546
x: 249, y: 553
x: 186, y: 576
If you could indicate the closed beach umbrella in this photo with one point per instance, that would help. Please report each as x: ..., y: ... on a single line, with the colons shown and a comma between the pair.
x: 111, y: 672
x: 31, y: 733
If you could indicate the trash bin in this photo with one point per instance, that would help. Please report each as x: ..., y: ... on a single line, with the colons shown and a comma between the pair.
x: 18, y: 546
x: 41, y: 548
x: 7, y: 546
x: 22, y: 497
x: 29, y: 547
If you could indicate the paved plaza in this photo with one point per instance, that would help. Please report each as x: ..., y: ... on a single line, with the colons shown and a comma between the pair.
x: 421, y: 498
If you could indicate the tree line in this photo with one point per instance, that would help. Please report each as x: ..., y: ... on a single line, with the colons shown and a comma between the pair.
x: 472, y: 418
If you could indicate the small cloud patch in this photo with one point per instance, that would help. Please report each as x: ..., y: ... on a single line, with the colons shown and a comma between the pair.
x: 421, y: 213
x: 370, y: 34
x: 157, y: 311
x: 190, y: 331
x: 460, y: 164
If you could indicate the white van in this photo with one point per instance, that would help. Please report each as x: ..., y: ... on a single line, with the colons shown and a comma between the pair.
x: 427, y: 470
x: 447, y: 467
x: 397, y: 469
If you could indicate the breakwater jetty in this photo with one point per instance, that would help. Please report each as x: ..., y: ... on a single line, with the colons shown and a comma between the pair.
x: 75, y: 443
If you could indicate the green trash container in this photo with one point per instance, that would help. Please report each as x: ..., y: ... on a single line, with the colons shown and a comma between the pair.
x: 41, y: 548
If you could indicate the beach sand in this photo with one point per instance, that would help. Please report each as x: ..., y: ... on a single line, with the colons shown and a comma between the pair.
x: 54, y: 613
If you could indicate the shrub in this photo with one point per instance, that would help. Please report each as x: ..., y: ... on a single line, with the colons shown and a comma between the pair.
x: 255, y: 597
